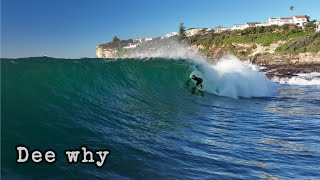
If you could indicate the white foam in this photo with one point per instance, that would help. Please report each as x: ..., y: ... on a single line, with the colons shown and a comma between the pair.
x: 232, y: 78
x: 310, y: 75
x: 254, y: 66
x: 302, y: 80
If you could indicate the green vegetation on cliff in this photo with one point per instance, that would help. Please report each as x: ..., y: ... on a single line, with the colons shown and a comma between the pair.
x: 310, y: 43
x: 116, y: 43
x: 252, y: 41
x: 293, y: 36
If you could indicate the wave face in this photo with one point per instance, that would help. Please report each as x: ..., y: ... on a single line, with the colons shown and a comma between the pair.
x: 154, y: 121
x: 150, y: 76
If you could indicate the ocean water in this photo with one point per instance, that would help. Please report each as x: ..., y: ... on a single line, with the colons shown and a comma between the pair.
x: 154, y: 121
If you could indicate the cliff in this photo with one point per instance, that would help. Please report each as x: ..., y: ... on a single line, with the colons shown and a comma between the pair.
x: 271, y: 45
x: 102, y: 52
x: 263, y: 55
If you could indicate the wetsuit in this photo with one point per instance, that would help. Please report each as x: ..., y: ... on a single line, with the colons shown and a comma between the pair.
x: 199, y: 80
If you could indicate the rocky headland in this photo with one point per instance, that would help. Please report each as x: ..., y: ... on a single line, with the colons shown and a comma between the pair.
x: 284, y: 51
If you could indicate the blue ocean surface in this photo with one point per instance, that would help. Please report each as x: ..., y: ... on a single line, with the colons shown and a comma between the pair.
x: 155, y: 123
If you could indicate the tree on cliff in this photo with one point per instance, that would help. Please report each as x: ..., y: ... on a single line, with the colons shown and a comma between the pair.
x: 182, y: 32
x: 310, y: 26
x: 115, y: 39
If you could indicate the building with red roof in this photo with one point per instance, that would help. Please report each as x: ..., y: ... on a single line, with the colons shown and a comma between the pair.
x: 300, y: 20
x: 297, y: 20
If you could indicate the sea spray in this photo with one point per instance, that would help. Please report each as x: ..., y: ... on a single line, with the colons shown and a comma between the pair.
x: 309, y: 79
x: 229, y: 77
x: 169, y: 49
x: 232, y: 78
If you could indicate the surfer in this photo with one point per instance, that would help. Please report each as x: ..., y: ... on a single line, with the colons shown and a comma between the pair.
x: 199, y: 81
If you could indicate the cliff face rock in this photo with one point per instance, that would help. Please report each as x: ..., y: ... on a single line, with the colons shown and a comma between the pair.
x: 102, y: 52
x: 279, y: 52
x: 266, y: 49
x: 282, y: 59
x: 263, y: 55
x: 217, y: 52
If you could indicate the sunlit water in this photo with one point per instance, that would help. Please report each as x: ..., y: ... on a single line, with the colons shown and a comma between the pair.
x: 155, y: 125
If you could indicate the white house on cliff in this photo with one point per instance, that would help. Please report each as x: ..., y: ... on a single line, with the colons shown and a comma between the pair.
x: 300, y: 20
x: 280, y: 21
x: 239, y: 26
x: 317, y: 26
x: 297, y: 20
x: 220, y: 29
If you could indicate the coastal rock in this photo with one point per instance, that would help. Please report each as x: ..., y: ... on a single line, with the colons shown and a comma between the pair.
x: 106, y: 53
x: 266, y: 49
x: 283, y: 59
x: 287, y: 71
x: 263, y: 55
x: 216, y: 52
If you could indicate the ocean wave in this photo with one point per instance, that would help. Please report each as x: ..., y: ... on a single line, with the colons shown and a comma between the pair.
x: 229, y: 77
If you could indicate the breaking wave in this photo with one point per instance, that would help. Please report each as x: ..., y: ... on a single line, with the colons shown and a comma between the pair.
x: 229, y: 77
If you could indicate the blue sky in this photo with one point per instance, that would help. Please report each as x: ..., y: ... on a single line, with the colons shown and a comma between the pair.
x: 73, y: 28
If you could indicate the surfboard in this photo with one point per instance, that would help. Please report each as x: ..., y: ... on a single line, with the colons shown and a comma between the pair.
x: 200, y: 89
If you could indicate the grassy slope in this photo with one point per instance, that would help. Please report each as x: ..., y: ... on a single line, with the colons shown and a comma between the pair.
x: 297, y: 40
x: 308, y: 43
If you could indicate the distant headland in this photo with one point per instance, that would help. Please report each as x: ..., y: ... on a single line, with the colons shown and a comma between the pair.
x: 281, y: 41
